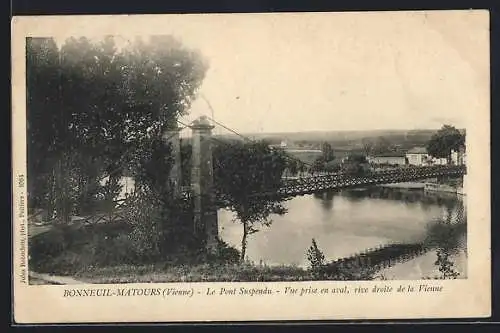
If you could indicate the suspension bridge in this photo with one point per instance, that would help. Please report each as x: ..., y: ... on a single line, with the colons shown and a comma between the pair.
x: 311, y: 184
x: 329, y: 182
x: 205, y: 201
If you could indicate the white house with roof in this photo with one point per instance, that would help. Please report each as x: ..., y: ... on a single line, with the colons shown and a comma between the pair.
x: 389, y: 159
x: 418, y: 156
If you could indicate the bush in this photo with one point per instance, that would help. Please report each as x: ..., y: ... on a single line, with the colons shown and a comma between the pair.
x: 316, y: 260
x: 144, y: 215
x: 68, y: 249
x: 226, y: 254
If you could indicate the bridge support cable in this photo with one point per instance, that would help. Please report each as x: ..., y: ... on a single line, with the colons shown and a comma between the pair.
x: 252, y: 140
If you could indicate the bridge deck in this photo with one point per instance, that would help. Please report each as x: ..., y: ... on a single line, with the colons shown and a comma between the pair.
x: 336, y: 181
x: 311, y: 185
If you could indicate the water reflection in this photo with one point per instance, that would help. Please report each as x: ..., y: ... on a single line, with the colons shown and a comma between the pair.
x: 448, y: 236
x: 446, y: 246
x: 326, y: 199
x: 404, y: 195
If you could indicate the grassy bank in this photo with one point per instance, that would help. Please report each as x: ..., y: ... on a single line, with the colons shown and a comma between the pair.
x: 106, y: 254
x: 246, y: 272
x: 159, y: 272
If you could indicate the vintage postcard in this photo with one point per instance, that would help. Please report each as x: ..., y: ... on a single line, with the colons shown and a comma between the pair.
x: 250, y: 167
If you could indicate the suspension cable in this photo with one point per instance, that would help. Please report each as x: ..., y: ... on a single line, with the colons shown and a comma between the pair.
x: 288, y: 156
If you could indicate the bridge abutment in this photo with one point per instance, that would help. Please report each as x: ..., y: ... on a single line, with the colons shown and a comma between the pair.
x: 204, y: 208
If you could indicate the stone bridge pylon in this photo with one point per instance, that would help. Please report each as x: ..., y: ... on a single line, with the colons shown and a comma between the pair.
x: 205, y: 224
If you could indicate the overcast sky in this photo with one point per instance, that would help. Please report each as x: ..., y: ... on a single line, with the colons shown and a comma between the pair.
x: 344, y: 71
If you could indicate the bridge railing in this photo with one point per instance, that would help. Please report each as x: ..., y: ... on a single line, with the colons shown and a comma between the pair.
x: 312, y: 184
x: 335, y: 181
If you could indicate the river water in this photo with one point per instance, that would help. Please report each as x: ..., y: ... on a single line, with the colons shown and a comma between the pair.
x: 349, y: 222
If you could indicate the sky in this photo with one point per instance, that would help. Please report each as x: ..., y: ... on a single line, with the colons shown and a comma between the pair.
x: 337, y: 71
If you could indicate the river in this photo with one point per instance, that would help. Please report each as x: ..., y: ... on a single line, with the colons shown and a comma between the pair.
x: 349, y: 222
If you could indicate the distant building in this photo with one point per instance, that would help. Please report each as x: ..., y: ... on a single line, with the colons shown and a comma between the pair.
x: 391, y: 159
x: 438, y: 161
x: 418, y: 156
x: 458, y: 157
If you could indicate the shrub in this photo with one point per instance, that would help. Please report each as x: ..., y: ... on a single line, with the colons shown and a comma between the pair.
x: 316, y: 260
x: 144, y: 215
x: 226, y: 254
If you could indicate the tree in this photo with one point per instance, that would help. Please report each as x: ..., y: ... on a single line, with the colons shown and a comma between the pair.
x: 368, y: 145
x: 381, y: 146
x: 376, y: 146
x: 332, y: 166
x: 355, y: 163
x: 186, y: 165
x: 318, y: 164
x: 294, y: 166
x: 327, y: 152
x: 241, y: 172
x: 93, y: 70
x: 325, y: 161
x: 98, y: 109
x: 445, y: 140
x: 44, y: 130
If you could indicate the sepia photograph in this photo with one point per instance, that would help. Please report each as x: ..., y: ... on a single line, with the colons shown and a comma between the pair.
x: 268, y: 148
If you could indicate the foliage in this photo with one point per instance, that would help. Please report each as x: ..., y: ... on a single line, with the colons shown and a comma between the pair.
x: 318, y: 164
x: 144, y: 214
x: 332, y: 166
x: 294, y: 166
x: 242, y: 170
x: 186, y: 152
x: 316, y: 260
x: 445, y: 140
x: 69, y: 250
x: 327, y: 152
x: 355, y: 164
x: 106, y: 105
x: 151, y: 165
x: 378, y: 145
x: 325, y: 162
x: 225, y: 254
x: 445, y: 264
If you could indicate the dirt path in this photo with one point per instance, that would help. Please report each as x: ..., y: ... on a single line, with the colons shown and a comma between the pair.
x: 39, y: 278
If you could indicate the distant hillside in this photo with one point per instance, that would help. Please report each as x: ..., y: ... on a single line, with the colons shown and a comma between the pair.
x: 345, y: 139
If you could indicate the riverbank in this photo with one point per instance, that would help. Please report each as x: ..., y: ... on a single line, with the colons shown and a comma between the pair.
x: 247, y: 272
x: 363, y: 266
x: 405, y: 185
x: 427, y: 187
x: 159, y: 273
x: 398, y: 261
